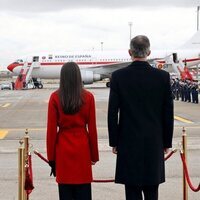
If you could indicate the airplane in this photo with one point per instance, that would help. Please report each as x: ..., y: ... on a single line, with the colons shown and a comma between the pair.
x: 98, y: 65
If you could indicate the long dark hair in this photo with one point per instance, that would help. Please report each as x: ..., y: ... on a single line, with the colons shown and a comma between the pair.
x: 71, y: 88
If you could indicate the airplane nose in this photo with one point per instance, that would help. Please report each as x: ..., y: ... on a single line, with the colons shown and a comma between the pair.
x: 11, y: 66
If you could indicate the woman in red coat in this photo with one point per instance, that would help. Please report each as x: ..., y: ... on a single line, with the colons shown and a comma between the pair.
x: 72, y: 136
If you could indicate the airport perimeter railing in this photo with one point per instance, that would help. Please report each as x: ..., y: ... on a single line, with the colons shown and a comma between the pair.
x: 25, y: 176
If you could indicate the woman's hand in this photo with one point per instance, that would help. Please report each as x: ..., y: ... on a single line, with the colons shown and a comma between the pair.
x: 52, y: 164
x: 166, y: 150
x: 93, y: 163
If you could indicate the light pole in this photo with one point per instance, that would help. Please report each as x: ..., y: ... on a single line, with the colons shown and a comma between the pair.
x: 130, y: 25
x: 198, y: 7
x: 101, y: 46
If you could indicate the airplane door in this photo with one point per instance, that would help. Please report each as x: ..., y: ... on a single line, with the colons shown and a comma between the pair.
x: 35, y: 58
x: 94, y: 61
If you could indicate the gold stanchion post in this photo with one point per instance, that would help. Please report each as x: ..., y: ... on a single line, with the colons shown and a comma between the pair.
x: 21, y: 172
x: 184, y: 145
x: 26, y: 151
x: 26, y: 144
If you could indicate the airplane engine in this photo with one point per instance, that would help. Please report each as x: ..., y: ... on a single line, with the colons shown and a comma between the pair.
x: 159, y: 65
x: 89, y: 77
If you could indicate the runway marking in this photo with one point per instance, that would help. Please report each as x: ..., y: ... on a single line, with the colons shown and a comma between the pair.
x: 5, y: 105
x: 5, y: 131
x: 3, y: 134
x: 183, y: 120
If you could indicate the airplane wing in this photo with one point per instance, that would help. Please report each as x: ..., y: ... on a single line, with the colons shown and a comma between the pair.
x: 107, y: 70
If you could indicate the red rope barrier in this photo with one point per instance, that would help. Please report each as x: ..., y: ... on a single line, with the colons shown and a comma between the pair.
x: 187, y: 174
x: 170, y: 154
x: 40, y: 156
x: 29, y: 177
x: 95, y: 181
x: 98, y: 180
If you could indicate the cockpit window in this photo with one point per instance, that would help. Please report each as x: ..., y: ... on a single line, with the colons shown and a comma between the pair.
x: 19, y: 61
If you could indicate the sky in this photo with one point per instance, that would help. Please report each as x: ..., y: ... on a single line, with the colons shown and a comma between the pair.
x: 30, y: 26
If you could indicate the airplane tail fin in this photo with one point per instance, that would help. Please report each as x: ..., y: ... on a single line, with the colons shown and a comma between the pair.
x: 194, y: 42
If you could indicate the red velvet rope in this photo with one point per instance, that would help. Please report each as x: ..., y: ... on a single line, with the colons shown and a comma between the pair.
x: 170, y: 154
x: 97, y: 180
x: 28, y: 186
x: 40, y: 156
x: 187, y: 174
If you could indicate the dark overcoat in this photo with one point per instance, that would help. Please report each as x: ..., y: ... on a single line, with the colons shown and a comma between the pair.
x: 140, y: 123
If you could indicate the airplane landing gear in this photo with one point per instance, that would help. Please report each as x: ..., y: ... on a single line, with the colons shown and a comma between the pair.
x: 40, y: 86
x: 37, y: 83
x: 108, y: 84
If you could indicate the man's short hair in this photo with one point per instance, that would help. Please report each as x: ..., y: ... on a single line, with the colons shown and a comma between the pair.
x: 140, y: 46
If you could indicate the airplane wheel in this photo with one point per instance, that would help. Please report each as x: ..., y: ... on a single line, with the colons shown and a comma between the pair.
x: 108, y: 84
x: 40, y: 86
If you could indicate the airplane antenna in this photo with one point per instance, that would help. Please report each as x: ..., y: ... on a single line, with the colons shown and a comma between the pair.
x: 101, y: 46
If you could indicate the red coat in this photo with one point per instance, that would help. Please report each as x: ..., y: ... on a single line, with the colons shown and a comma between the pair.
x: 72, y: 140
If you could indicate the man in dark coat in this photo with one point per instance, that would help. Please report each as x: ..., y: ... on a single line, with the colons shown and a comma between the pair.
x: 140, y: 123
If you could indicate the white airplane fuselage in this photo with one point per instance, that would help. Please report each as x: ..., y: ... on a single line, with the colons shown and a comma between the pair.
x: 98, y: 62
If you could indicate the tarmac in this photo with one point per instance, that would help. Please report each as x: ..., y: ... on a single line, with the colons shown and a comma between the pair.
x: 28, y: 109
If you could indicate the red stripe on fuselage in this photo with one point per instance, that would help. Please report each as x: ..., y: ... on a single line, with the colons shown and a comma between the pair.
x: 96, y: 63
x: 11, y: 67
x: 79, y: 63
x: 185, y: 60
x: 191, y: 60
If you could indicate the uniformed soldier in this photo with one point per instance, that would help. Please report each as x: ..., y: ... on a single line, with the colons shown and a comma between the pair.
x: 181, y: 90
x: 177, y: 89
x: 185, y: 89
x: 173, y: 88
x: 196, y: 93
x: 189, y: 90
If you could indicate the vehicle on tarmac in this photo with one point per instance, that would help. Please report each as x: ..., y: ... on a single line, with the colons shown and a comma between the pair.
x: 33, y: 83
x: 37, y: 83
x: 6, y: 86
